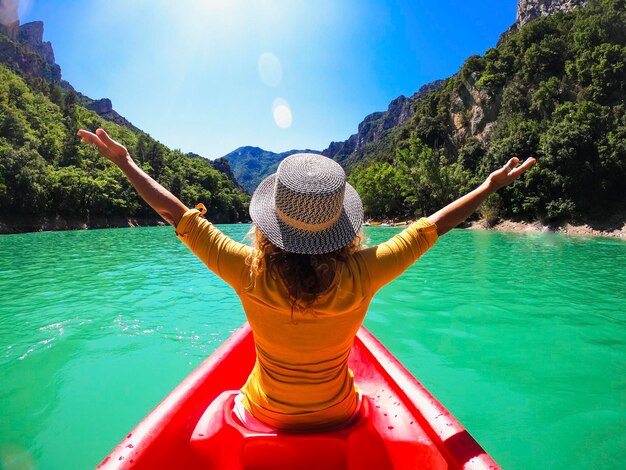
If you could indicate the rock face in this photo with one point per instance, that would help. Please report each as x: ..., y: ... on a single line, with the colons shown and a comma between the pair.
x: 25, y: 62
x: 473, y: 112
x: 11, y: 29
x: 100, y: 107
x: 26, y: 52
x: 31, y: 37
x: 374, y: 126
x: 104, y: 108
x: 529, y: 10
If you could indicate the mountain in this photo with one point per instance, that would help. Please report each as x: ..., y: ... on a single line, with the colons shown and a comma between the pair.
x: 375, y: 125
x: 24, y: 51
x: 49, y: 181
x: 454, y: 117
x: 554, y: 87
x: 250, y: 165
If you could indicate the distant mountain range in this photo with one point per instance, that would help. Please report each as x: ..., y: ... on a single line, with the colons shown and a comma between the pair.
x: 250, y: 165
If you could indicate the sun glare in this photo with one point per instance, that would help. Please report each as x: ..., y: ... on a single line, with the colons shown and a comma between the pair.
x: 213, y: 5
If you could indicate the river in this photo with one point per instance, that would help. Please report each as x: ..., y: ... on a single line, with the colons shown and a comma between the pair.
x: 521, y: 336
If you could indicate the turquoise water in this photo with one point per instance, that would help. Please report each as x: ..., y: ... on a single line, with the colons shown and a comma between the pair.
x: 521, y: 336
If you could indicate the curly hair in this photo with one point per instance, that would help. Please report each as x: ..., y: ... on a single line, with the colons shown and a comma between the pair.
x: 306, y: 277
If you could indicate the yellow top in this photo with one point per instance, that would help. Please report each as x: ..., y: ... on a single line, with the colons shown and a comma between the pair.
x: 301, y: 379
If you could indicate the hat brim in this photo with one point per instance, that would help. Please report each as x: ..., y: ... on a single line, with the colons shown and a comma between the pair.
x: 300, y: 241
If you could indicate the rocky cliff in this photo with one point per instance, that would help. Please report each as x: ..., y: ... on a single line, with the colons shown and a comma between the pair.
x: 529, y: 10
x: 23, y: 49
x: 104, y: 108
x: 31, y: 37
x: 473, y: 111
x: 374, y: 126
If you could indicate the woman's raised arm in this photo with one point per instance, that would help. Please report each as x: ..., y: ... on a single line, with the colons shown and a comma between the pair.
x: 160, y: 199
x: 456, y: 212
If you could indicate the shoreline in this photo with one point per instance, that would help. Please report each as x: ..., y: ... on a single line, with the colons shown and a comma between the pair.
x: 16, y: 226
x: 604, y: 229
x: 612, y: 228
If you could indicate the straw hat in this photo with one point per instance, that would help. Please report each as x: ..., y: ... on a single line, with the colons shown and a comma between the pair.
x: 307, y: 206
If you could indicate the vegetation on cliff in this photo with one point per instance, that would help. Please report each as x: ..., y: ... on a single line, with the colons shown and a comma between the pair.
x: 555, y: 89
x: 46, y: 173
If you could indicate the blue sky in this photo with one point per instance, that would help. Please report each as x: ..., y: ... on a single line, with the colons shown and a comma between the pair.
x: 208, y: 76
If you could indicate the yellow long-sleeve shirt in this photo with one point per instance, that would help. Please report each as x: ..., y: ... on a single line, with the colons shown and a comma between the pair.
x: 301, y: 379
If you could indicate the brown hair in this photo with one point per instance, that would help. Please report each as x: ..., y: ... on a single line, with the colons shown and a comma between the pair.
x: 306, y: 277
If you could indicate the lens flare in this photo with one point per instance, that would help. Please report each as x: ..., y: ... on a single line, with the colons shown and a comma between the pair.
x: 270, y: 70
x: 282, y: 113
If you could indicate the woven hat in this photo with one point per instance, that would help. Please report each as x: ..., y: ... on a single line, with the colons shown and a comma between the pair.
x: 307, y: 206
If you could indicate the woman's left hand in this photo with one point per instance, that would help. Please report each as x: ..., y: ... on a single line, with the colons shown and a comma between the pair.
x: 509, y: 173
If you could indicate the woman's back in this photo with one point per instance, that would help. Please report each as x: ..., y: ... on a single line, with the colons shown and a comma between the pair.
x: 301, y: 378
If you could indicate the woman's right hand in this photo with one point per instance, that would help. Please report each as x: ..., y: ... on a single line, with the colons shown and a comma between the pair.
x: 107, y: 147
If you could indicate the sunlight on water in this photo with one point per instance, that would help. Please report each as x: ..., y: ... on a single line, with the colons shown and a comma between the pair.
x: 521, y: 336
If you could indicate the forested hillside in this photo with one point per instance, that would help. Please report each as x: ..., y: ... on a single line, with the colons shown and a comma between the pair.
x: 555, y: 89
x: 49, y: 180
x: 250, y: 165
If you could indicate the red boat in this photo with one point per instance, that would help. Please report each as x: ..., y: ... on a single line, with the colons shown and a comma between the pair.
x: 400, y: 425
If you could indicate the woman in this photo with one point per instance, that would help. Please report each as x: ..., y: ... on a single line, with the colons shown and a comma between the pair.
x: 306, y: 285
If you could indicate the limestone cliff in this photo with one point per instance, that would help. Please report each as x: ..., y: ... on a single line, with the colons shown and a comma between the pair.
x: 104, y: 108
x: 472, y: 112
x: 529, y: 10
x: 23, y: 49
x: 31, y: 37
x: 374, y: 126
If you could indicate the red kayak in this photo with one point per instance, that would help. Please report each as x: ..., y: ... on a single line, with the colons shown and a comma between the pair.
x: 400, y: 425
